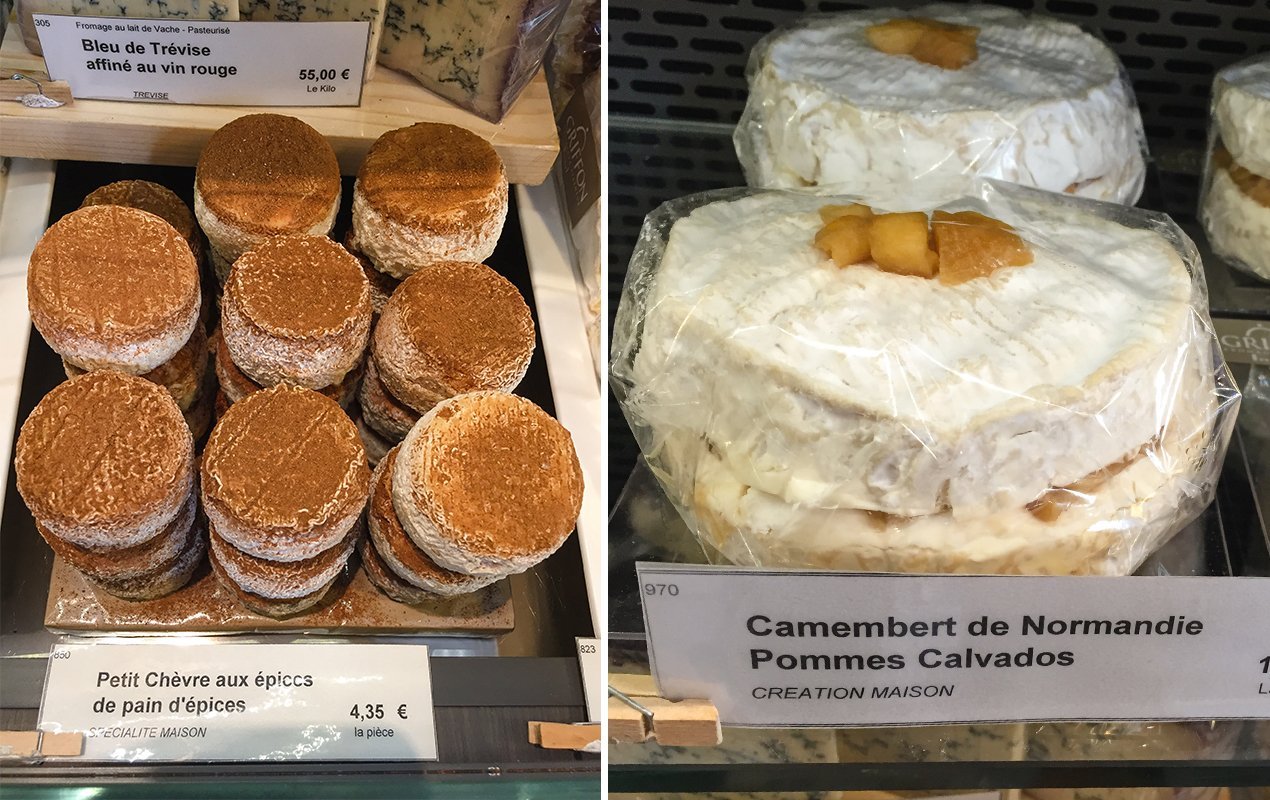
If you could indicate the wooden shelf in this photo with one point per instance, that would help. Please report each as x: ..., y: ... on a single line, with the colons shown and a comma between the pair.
x: 154, y: 133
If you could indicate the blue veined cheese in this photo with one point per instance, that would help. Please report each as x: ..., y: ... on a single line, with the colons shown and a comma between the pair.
x: 215, y: 10
x: 479, y: 54
x: 371, y: 11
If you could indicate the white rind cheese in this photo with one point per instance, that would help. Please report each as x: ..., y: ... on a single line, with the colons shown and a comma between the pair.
x: 371, y: 11
x: 1242, y: 110
x: 216, y: 10
x: 857, y: 388
x: 802, y: 414
x: 1043, y: 105
x: 1238, y: 227
x: 479, y: 54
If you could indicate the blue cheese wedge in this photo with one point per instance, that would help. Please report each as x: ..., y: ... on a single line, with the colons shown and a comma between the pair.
x: 478, y: 54
x: 371, y: 11
x: 215, y: 10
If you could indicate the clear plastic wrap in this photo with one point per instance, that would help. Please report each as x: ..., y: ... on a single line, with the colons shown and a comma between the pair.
x: 574, y: 54
x: 1235, y: 202
x: 479, y: 55
x: 1044, y: 104
x: 579, y: 187
x: 803, y: 414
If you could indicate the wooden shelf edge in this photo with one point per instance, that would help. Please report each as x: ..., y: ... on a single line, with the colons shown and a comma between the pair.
x: 150, y: 133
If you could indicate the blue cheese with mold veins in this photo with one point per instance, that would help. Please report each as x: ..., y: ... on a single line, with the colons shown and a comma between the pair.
x: 478, y: 54
x: 214, y: 10
x: 371, y: 11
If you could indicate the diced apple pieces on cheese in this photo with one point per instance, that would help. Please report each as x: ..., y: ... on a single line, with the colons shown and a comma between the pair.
x: 900, y: 243
x: 896, y: 37
x: 966, y: 244
x: 845, y: 239
x: 831, y: 212
x: 939, y: 44
x: 971, y: 245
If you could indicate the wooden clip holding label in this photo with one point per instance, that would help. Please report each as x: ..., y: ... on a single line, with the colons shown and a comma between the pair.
x: 564, y: 736
x: 35, y: 90
x: 29, y: 744
x: 637, y: 713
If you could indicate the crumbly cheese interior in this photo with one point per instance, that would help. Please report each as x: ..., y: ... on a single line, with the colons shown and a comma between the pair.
x: 855, y: 388
x: 1043, y: 104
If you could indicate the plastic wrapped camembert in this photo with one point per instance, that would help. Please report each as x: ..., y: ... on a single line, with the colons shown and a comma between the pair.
x: 1236, y: 204
x: 1013, y: 382
x: 884, y: 97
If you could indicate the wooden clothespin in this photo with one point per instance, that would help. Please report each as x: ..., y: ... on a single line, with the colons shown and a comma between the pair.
x: 582, y: 736
x: 35, y: 90
x: 637, y: 714
x: 33, y: 744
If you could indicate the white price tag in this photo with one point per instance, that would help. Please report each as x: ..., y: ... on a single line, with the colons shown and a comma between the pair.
x: 201, y: 62
x: 239, y: 702
x: 785, y: 648
x: 592, y: 676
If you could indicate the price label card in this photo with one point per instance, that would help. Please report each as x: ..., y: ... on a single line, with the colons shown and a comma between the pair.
x: 242, y: 702
x: 592, y: 676
x: 202, y: 62
x: 785, y: 648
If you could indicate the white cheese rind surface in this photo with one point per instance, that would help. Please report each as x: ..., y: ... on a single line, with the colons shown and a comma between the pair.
x: 371, y: 11
x: 1238, y: 227
x: 1044, y: 105
x: 479, y: 54
x: 216, y: 10
x: 854, y: 388
x: 1242, y: 111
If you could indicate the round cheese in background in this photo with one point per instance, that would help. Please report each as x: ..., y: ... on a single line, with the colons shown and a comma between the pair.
x: 1044, y: 104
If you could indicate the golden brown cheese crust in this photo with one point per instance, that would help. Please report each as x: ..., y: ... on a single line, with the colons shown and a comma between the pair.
x: 386, y: 581
x: 153, y: 555
x: 182, y: 375
x: 394, y: 537
x: 301, y: 287
x: 452, y: 328
x: 235, y: 385
x: 155, y: 199
x: 104, y: 450
x: 433, y: 177
x: 269, y: 174
x: 500, y: 477
x: 113, y: 275
x: 284, y: 464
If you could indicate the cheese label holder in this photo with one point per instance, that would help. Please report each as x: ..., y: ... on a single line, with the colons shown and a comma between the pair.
x: 199, y: 62
x: 180, y: 699
x: 794, y: 648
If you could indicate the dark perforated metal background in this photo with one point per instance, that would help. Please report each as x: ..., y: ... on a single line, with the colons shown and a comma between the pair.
x: 677, y: 86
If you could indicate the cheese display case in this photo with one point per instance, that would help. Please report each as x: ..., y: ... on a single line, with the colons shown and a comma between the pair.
x: 223, y: 375
x: 754, y: 439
